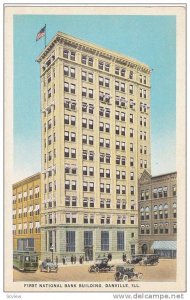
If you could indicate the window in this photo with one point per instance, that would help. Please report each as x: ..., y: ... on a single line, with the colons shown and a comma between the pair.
x: 132, y: 220
x: 165, y: 190
x: 123, y: 72
x: 131, y: 75
x: 108, y: 203
x: 91, y: 185
x: 132, y: 189
x: 131, y: 147
x: 132, y: 175
x: 102, y: 203
x: 91, y: 140
x: 122, y: 87
x: 131, y: 162
x: 142, y: 228
x: 91, y: 171
x: 131, y: 118
x: 85, y: 186
x: 85, y: 201
x: 117, y: 85
x: 131, y: 89
x: 107, y: 188
x: 107, y: 173
x: 88, y: 238
x: 84, y: 59
x: 73, y: 153
x: 70, y: 241
x: 131, y: 132
x: 117, y: 129
x: 90, y: 77
x: 123, y: 131
x: 101, y: 187
x: 104, y: 240
x: 72, y: 89
x: 122, y: 145
x: 50, y: 186
x: 66, y: 53
x: 91, y: 124
x: 66, y: 86
x: 174, y: 191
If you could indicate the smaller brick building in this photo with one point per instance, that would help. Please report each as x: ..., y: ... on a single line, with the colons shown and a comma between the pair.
x: 26, y: 203
x: 158, y: 214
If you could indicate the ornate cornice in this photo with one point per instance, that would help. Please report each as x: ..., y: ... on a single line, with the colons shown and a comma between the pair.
x: 92, y: 49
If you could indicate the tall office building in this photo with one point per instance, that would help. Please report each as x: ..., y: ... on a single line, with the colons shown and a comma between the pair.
x: 95, y: 106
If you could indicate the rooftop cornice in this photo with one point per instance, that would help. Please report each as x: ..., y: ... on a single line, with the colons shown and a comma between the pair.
x: 36, y: 176
x: 78, y: 44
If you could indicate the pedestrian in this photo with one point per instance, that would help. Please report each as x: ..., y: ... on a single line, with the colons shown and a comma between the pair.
x: 72, y: 259
x: 63, y: 260
x: 124, y: 257
x: 109, y: 256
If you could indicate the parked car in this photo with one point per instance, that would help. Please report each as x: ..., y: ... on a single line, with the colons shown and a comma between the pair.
x: 136, y: 259
x: 151, y: 259
x: 101, y: 265
x: 48, y: 266
x: 127, y: 272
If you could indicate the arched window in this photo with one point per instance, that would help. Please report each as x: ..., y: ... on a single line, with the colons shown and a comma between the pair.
x: 174, y: 210
x: 161, y: 228
x: 166, y: 210
x: 161, y: 211
x: 155, y: 212
x: 142, y: 213
x: 142, y: 229
x: 147, y: 213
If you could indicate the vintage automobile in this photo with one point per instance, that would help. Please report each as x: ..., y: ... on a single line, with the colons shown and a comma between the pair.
x: 101, y: 265
x: 151, y: 259
x: 136, y: 259
x: 126, y: 272
x: 48, y: 266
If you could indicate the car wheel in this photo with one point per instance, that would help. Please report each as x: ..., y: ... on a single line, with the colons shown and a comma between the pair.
x: 97, y: 269
x: 116, y: 278
x: 125, y: 278
x: 140, y: 276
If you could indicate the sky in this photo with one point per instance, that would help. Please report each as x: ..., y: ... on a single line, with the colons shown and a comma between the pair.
x: 149, y: 39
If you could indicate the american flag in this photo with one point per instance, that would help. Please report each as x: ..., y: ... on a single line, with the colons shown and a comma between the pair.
x: 41, y: 33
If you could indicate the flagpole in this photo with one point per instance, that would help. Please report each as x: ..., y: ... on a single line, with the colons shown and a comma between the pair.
x: 45, y: 36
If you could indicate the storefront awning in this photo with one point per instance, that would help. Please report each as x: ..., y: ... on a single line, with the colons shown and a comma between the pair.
x: 164, y: 245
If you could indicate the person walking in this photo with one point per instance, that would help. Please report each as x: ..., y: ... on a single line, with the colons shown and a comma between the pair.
x: 72, y: 259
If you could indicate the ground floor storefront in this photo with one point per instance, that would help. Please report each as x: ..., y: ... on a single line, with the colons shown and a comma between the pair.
x: 88, y: 242
x: 165, y: 249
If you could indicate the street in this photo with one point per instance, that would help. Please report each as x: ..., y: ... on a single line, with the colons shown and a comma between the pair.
x: 165, y: 271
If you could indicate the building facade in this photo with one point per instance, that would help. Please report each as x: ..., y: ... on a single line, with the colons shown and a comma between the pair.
x: 158, y: 214
x: 95, y: 107
x: 26, y: 214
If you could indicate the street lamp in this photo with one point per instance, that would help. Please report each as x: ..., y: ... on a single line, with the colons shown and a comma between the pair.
x: 51, y: 249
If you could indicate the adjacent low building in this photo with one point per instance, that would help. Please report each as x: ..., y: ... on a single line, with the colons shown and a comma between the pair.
x: 26, y: 203
x: 158, y: 214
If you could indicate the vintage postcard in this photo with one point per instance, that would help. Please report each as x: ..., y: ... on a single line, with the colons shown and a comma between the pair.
x: 95, y: 148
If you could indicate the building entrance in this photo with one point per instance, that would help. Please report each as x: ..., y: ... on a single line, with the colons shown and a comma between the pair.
x: 88, y: 252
